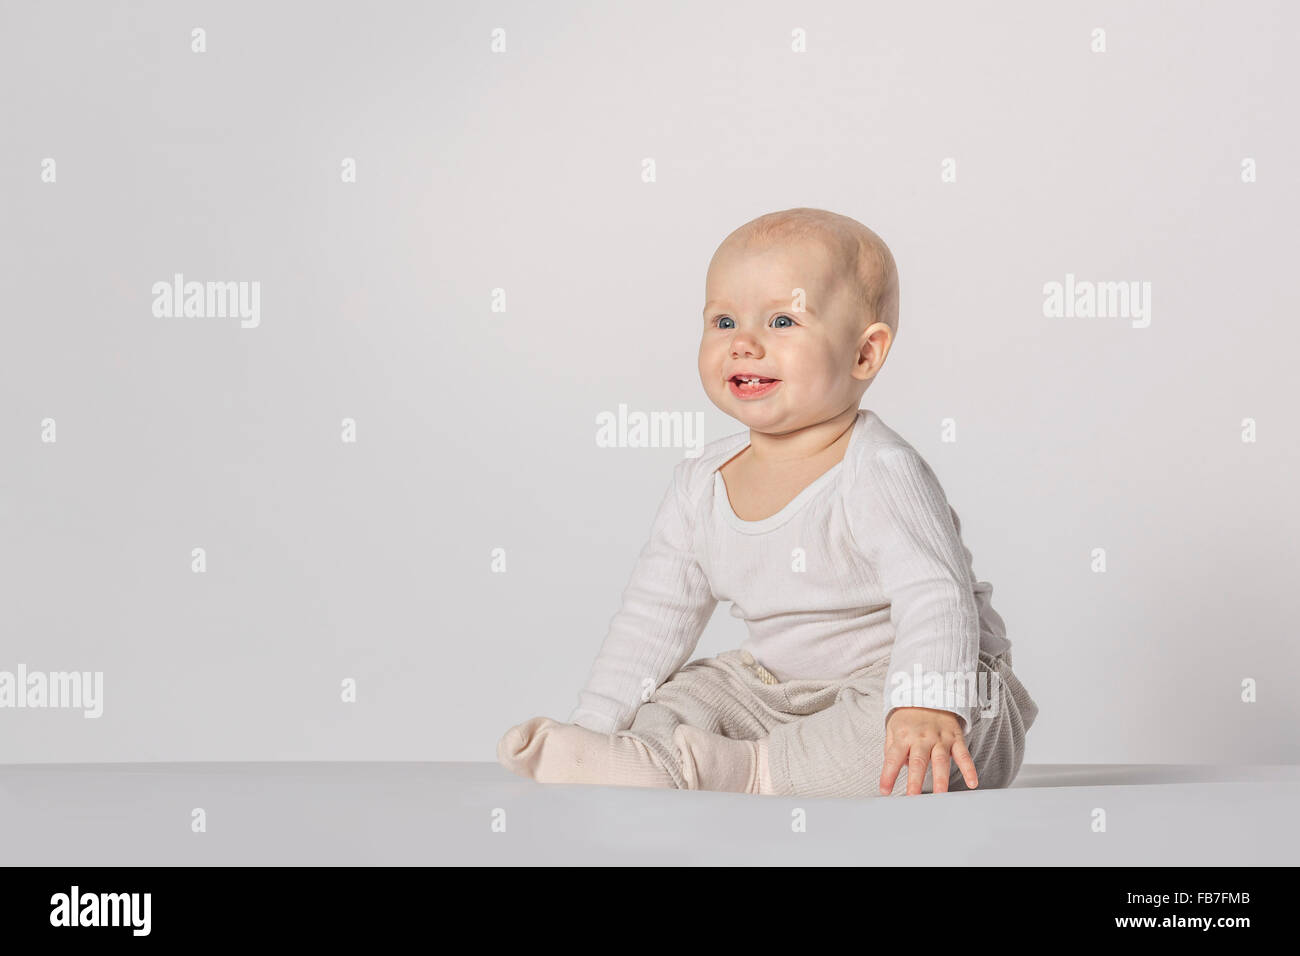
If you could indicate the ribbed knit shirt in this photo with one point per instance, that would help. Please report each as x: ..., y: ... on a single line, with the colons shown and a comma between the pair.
x: 867, y: 562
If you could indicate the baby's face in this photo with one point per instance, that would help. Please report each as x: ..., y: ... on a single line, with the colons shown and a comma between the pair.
x: 751, y: 326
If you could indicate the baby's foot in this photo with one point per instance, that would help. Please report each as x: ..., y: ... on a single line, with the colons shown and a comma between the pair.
x: 714, y: 762
x: 548, y: 751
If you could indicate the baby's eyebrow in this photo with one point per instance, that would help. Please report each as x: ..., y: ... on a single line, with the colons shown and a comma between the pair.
x: 773, y: 303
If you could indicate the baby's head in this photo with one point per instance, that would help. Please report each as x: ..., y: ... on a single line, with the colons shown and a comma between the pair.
x: 821, y: 348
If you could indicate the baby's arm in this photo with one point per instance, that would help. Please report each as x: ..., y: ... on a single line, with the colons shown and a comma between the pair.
x: 907, y: 530
x: 665, y: 607
x: 913, y: 542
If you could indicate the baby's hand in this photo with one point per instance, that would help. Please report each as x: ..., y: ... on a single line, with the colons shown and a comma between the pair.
x: 917, y: 735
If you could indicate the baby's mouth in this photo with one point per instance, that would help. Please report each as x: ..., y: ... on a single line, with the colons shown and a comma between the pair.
x: 751, y: 386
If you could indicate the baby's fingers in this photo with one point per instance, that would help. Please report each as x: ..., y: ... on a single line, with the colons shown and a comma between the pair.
x: 916, y: 765
x: 967, y: 765
x: 940, y: 763
x: 895, y: 757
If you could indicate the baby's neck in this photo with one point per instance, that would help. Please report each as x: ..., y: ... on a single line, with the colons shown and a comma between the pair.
x: 815, y: 443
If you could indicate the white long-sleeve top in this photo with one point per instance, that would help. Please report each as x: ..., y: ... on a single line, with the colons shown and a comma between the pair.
x: 884, y: 574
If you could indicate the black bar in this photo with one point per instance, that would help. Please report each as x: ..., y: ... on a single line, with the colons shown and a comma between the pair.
x: 372, y: 904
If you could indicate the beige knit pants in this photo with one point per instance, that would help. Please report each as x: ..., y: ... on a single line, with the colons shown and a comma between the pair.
x: 826, y: 738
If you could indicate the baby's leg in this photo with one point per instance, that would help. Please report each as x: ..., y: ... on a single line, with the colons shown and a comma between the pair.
x: 836, y: 752
x: 996, y: 738
x: 551, y: 752
x: 840, y: 751
x: 705, y: 728
x: 708, y: 725
x: 713, y: 762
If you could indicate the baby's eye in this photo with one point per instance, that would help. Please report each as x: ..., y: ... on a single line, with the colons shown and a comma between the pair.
x: 725, y: 318
x: 787, y: 318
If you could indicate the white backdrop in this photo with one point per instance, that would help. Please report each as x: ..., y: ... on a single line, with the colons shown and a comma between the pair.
x: 581, y: 177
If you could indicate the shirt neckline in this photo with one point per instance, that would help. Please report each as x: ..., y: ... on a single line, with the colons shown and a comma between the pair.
x: 722, y: 503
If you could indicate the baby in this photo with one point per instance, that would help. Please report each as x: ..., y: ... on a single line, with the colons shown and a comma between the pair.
x: 872, y: 648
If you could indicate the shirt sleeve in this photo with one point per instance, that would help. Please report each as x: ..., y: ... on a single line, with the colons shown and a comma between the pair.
x: 911, y: 538
x: 664, y: 609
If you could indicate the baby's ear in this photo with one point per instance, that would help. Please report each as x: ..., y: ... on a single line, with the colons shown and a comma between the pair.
x: 873, y: 349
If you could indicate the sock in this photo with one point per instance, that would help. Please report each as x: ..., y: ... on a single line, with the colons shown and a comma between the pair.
x: 713, y: 762
x: 551, y: 752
